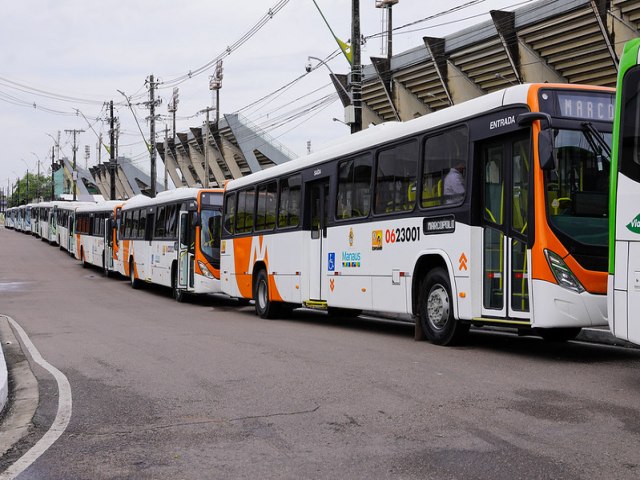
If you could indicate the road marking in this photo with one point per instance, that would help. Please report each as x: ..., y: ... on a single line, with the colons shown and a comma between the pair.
x: 63, y: 416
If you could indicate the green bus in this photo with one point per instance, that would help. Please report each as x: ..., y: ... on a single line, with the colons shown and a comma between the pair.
x: 623, y: 297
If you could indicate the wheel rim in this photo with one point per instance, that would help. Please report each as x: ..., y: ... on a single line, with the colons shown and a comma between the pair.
x: 262, y: 294
x: 438, y: 307
x: 132, y: 275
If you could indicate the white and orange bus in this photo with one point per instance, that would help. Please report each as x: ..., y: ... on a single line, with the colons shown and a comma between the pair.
x: 173, y: 240
x: 90, y: 231
x: 489, y: 212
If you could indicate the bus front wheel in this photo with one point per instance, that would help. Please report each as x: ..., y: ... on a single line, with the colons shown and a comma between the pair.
x: 179, y: 294
x: 436, y: 310
x: 265, y: 308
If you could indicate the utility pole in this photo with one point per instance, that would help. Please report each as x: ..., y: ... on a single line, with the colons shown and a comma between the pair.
x: 207, y: 141
x: 99, y: 149
x: 356, y: 68
x: 152, y: 133
x: 53, y: 164
x: 166, y: 152
x: 112, y: 159
x: 75, y: 172
x: 172, y: 108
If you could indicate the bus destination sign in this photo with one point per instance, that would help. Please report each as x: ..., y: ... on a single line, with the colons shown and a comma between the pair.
x: 586, y: 106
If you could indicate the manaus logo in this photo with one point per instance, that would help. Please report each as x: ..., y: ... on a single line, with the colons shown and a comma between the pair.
x: 634, y: 226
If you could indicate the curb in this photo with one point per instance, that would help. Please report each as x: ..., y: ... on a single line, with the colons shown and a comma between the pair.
x: 4, y: 382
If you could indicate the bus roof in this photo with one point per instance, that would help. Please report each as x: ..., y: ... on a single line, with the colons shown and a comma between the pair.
x: 168, y: 196
x: 106, y: 206
x: 385, y: 132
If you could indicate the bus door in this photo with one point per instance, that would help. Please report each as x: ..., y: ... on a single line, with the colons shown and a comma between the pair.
x: 183, y: 252
x: 317, y: 193
x: 108, y: 244
x: 53, y: 224
x: 505, y: 191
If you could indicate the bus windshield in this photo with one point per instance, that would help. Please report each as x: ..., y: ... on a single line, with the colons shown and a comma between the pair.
x: 578, y: 189
x: 210, y: 221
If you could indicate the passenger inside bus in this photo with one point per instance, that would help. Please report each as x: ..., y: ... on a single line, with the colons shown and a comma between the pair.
x: 454, y: 184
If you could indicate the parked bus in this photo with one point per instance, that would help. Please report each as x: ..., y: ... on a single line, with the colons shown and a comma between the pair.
x: 624, y: 206
x: 490, y: 212
x: 61, y: 221
x: 173, y: 240
x: 9, y: 218
x: 90, y: 232
x: 43, y: 220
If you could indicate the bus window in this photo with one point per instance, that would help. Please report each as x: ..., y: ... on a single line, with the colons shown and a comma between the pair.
x: 210, y: 221
x: 396, y: 178
x: 577, y: 191
x: 246, y: 206
x: 171, y: 222
x: 142, y: 224
x: 135, y: 221
x: 442, y: 153
x: 629, y: 157
x: 266, y: 208
x: 230, y: 213
x: 160, y: 223
x: 128, y: 216
x: 354, y: 188
x: 289, y: 203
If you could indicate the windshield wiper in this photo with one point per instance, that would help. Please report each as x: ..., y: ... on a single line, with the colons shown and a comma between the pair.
x: 592, y: 133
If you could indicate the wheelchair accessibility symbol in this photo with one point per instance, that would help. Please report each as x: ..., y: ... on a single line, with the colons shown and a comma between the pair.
x: 332, y: 262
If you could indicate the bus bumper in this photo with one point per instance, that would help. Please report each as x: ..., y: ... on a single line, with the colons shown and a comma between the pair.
x: 555, y: 306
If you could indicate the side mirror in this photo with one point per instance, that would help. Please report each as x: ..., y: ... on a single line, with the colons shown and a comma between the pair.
x: 546, y: 150
x: 527, y: 118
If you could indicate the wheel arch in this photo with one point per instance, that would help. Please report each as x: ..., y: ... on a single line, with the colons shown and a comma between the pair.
x: 426, y: 262
x: 259, y: 265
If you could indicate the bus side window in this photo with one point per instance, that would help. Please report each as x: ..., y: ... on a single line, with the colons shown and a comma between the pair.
x: 396, y: 178
x: 230, y: 213
x: 135, y: 221
x: 160, y: 223
x: 289, y: 202
x: 442, y: 153
x: 246, y: 207
x: 142, y: 224
x: 354, y: 187
x: 266, y: 208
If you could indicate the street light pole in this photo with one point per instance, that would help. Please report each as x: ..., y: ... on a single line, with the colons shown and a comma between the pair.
x: 38, y: 177
x: 27, y: 195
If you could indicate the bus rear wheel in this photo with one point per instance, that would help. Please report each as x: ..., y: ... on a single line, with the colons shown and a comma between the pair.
x: 135, y: 283
x: 265, y: 308
x: 436, y: 310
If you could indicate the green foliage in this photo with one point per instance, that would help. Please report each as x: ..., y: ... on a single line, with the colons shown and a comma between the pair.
x: 39, y: 187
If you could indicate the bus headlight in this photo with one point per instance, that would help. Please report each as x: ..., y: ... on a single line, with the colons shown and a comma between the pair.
x: 205, y: 270
x: 564, y: 275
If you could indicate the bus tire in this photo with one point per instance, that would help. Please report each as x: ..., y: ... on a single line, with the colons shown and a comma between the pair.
x: 265, y: 308
x: 179, y: 295
x: 83, y: 259
x: 559, y: 334
x: 436, y: 310
x: 135, y: 283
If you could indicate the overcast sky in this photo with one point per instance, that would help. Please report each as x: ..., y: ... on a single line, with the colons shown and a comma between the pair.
x: 81, y: 53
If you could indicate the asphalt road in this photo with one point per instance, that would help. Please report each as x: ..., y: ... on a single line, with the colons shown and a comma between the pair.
x: 163, y: 390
